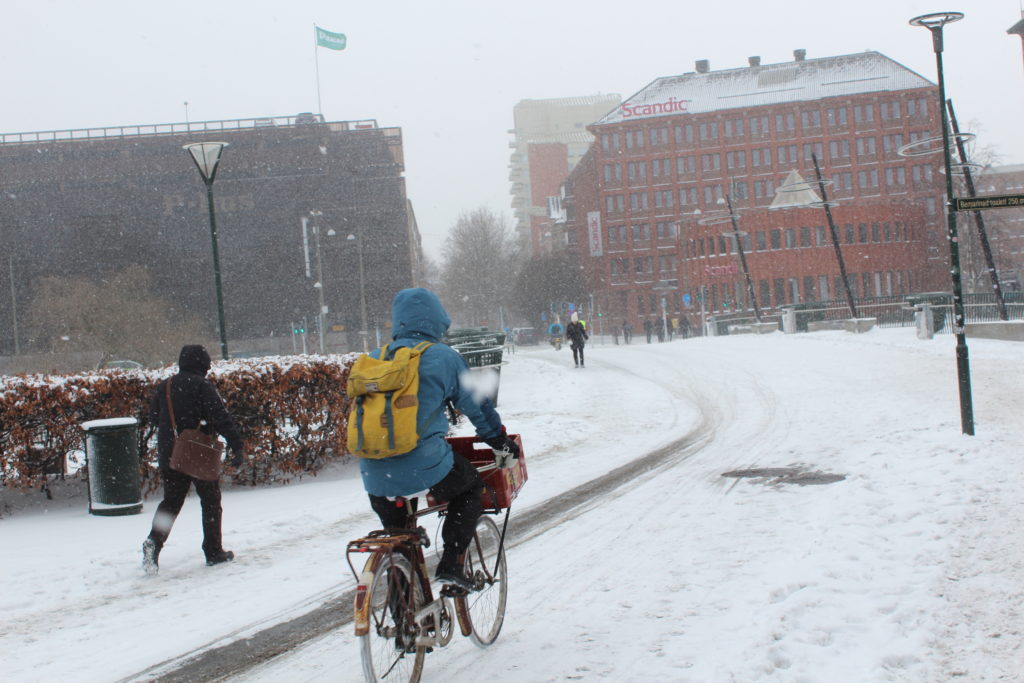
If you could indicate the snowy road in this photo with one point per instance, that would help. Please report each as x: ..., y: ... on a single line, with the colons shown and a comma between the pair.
x: 664, y: 570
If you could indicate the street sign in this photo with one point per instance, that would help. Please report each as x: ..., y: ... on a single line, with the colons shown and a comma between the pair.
x: 992, y: 201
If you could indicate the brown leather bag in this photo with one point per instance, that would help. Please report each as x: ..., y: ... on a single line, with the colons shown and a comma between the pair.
x: 195, y: 452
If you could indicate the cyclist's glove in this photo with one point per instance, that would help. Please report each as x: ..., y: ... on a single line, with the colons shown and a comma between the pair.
x: 503, y: 443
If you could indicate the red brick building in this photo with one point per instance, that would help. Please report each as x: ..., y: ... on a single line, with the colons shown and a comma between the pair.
x: 646, y: 207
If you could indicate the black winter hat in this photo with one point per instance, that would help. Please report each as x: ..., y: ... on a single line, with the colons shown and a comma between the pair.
x: 194, y: 358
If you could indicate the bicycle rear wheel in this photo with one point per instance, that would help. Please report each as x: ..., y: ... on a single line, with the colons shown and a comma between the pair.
x: 484, y: 608
x: 389, y: 650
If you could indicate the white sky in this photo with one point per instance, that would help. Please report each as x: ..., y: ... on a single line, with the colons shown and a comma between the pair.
x: 449, y: 72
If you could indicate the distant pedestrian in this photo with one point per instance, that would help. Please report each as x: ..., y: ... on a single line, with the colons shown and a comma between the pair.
x: 615, y: 334
x: 648, y: 329
x: 576, y: 333
x: 660, y: 329
x: 684, y: 327
x: 627, y: 331
x: 195, y: 404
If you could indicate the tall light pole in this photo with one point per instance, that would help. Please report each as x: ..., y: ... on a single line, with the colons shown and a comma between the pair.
x: 319, y: 284
x: 834, y: 232
x: 362, y: 290
x: 934, y: 23
x: 206, y: 156
x: 738, y: 235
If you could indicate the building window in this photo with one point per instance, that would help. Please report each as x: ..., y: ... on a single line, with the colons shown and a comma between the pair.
x: 890, y: 110
x: 709, y: 131
x: 638, y: 201
x: 823, y: 287
x: 891, y: 143
x: 779, y: 285
x: 636, y: 170
x: 687, y: 196
x: 863, y: 113
x: 736, y: 160
x: 684, y: 134
x: 815, y: 149
x: 733, y: 128
x: 786, y: 154
x: 862, y: 233
x: 686, y: 165
x: 759, y: 126
x: 819, y: 235
x: 660, y: 167
x: 867, y: 180
x: 839, y: 149
x: 810, y: 119
x: 710, y: 162
x: 612, y: 172
x: 790, y: 238
x: 762, y: 244
x: 848, y: 228
x: 836, y: 117
x: 866, y: 147
x: 659, y: 136
x: 740, y: 189
x: 785, y: 123
x: 776, y: 238
x: 805, y: 236
x: 896, y: 178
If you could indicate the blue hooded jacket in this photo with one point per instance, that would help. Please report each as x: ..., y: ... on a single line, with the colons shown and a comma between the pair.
x: 417, y: 315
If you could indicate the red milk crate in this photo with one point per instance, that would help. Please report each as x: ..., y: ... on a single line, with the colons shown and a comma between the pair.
x: 500, y: 486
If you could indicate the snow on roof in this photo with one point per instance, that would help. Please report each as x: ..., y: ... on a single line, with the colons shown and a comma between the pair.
x: 756, y: 86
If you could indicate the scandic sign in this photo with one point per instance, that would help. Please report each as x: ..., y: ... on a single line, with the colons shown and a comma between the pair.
x: 671, y: 106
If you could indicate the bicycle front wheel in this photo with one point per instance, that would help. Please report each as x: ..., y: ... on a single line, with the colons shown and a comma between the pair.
x: 484, y: 607
x: 389, y: 650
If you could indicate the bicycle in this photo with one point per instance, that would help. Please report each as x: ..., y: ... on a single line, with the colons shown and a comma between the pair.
x: 397, y: 618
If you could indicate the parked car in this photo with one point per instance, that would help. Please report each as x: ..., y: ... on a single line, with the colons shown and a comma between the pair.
x: 525, y: 336
x: 121, y: 365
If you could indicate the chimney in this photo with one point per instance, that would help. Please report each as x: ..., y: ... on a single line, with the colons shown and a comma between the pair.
x: 703, y: 66
x: 754, y: 61
x: 799, y: 55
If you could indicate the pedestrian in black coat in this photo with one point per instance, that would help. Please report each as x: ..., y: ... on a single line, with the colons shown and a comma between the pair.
x: 196, y: 404
x: 648, y: 330
x: 577, y: 335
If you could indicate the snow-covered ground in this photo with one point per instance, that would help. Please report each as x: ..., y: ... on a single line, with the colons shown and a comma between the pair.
x: 909, y: 568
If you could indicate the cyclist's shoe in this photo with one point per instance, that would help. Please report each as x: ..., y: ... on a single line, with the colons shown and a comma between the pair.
x: 449, y: 571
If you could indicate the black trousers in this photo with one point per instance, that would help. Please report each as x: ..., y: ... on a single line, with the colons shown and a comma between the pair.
x: 461, y: 489
x: 176, y: 487
x: 577, y: 353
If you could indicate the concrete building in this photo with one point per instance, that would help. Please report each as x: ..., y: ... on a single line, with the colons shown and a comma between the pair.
x: 294, y: 195
x: 550, y: 137
x: 648, y: 215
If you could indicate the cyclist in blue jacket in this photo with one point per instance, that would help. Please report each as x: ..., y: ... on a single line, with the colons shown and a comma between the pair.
x: 417, y: 315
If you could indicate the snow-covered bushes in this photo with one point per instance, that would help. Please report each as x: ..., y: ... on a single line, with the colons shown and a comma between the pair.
x: 291, y: 411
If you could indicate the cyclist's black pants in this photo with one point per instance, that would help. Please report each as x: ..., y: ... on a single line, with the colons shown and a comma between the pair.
x: 461, y: 488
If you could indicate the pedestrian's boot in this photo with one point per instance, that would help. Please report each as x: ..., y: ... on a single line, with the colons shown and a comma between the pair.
x: 150, y: 556
x: 219, y: 557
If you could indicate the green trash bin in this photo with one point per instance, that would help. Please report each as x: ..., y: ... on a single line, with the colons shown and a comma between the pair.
x: 112, y: 458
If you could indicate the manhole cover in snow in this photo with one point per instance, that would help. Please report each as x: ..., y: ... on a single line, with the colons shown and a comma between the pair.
x: 787, y: 475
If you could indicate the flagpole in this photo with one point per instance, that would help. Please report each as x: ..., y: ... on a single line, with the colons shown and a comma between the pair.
x: 316, y: 60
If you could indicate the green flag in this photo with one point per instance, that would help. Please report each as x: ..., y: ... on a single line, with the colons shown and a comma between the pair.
x: 333, y: 41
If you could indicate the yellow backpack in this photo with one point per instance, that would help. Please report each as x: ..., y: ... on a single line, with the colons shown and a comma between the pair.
x: 382, y: 420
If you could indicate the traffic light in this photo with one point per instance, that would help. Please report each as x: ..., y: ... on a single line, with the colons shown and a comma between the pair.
x: 298, y: 329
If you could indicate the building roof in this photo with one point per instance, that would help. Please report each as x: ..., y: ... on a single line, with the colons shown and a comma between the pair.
x: 756, y: 86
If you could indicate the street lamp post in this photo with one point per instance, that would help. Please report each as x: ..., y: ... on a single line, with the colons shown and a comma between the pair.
x: 206, y: 156
x: 319, y: 284
x: 362, y: 291
x: 934, y: 23
x: 834, y: 232
x: 738, y: 235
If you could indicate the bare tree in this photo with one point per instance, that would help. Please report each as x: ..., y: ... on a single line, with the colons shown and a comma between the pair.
x: 546, y: 280
x: 480, y: 256
x: 118, y: 317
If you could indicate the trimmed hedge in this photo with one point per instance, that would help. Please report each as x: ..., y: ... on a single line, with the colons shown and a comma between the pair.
x: 291, y: 411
